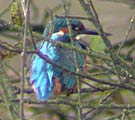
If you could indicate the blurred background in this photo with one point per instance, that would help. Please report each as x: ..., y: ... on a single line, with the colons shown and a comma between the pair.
x: 115, y: 17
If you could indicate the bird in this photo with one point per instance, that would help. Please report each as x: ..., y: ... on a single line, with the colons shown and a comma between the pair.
x: 49, y: 79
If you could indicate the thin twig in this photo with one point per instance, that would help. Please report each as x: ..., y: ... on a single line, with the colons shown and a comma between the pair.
x: 101, y: 81
x: 75, y: 62
x: 7, y: 93
x: 109, y: 106
x: 74, y: 17
x: 127, y: 33
x: 91, y: 12
x: 118, y: 116
x: 23, y: 55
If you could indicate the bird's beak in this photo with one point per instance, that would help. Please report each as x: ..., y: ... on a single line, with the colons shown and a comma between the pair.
x: 91, y: 32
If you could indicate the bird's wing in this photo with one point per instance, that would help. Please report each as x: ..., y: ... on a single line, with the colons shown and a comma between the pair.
x: 67, y: 60
x: 42, y: 72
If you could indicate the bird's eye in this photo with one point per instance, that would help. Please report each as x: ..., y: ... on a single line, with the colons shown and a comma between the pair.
x: 76, y: 28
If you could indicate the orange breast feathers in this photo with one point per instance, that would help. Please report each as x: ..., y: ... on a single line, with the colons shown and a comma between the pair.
x: 65, y: 30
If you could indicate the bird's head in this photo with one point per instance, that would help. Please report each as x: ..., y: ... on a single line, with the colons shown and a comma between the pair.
x: 60, y: 24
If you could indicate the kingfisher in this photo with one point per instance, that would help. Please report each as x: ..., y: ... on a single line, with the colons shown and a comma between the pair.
x: 48, y: 79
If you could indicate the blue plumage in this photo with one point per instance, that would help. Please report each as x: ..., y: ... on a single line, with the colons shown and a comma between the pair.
x: 43, y: 73
x: 45, y: 77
